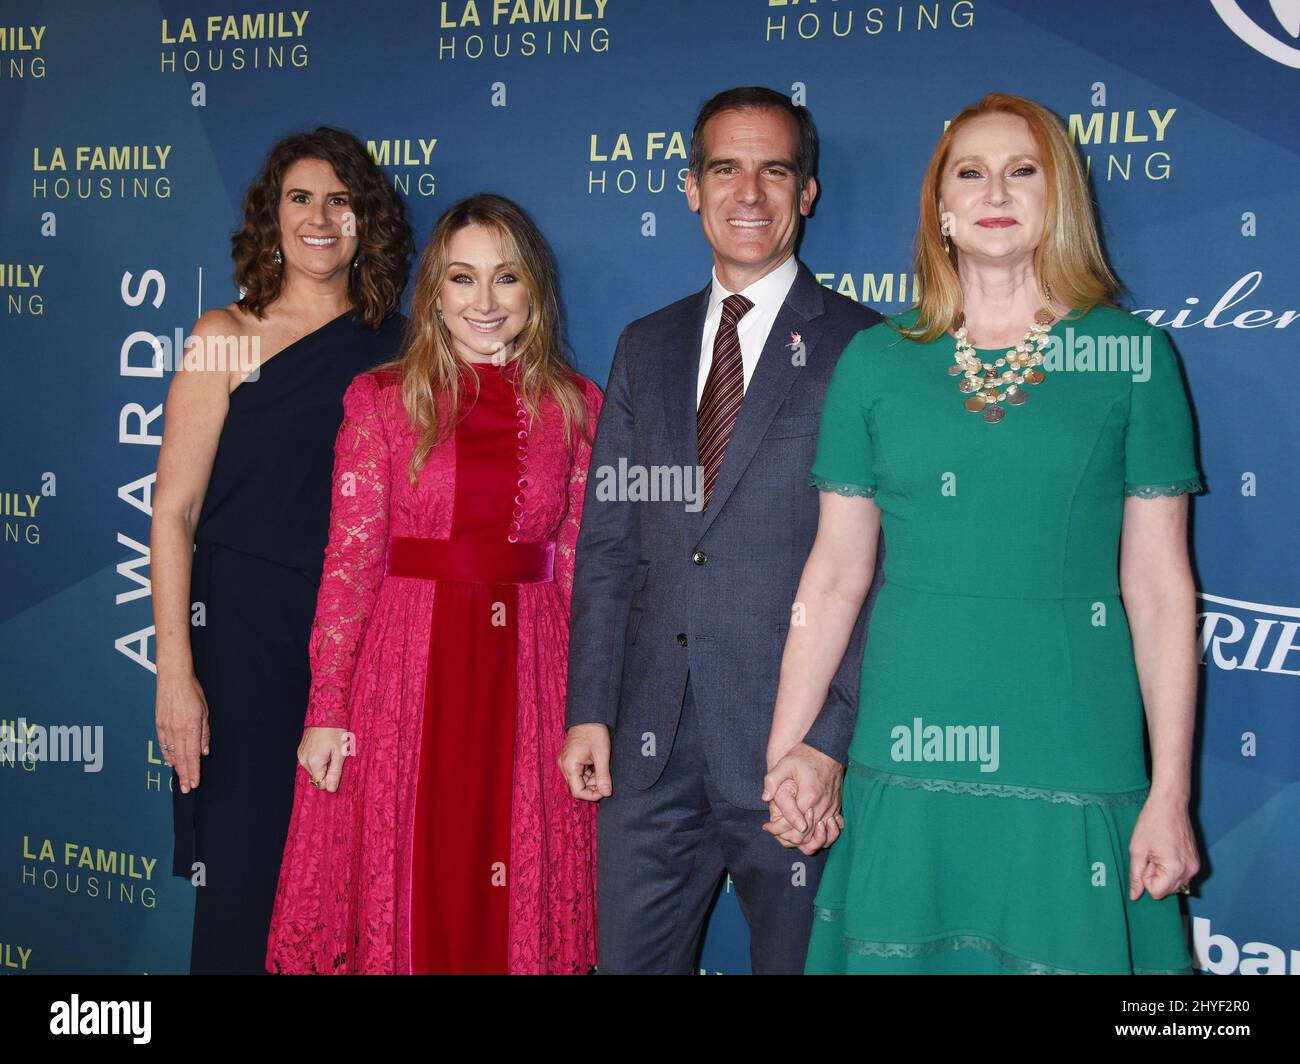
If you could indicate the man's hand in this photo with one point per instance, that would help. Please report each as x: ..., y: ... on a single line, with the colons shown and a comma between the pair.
x: 803, y: 790
x: 585, y: 762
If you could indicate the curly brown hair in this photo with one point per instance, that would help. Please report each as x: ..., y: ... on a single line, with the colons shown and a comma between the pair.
x: 385, y: 243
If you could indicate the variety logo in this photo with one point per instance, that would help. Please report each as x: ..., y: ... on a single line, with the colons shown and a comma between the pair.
x: 1255, y: 318
x: 1250, y: 636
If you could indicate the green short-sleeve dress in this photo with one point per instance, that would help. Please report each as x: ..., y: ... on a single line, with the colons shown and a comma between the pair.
x: 997, y: 768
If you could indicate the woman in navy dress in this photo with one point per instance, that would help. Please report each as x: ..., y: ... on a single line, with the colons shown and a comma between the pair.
x: 241, y: 515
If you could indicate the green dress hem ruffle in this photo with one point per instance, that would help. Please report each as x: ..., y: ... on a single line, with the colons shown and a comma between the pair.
x: 954, y: 941
x: 1015, y: 879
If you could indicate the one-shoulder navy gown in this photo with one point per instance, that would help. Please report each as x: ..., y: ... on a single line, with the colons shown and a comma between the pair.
x: 259, y: 550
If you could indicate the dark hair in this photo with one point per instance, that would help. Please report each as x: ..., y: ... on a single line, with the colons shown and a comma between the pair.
x: 385, y: 244
x: 756, y: 96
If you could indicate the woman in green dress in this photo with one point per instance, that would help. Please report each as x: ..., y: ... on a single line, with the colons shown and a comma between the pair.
x: 1025, y: 449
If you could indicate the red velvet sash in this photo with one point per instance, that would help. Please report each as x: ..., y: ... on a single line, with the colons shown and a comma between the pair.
x: 471, y: 560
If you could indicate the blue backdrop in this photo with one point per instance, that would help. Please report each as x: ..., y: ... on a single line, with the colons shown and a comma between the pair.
x: 129, y: 131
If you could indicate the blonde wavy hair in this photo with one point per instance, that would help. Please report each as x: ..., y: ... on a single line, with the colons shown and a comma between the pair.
x: 428, y: 367
x: 1068, y: 258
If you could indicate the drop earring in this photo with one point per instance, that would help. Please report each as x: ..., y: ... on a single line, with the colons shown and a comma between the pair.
x: 279, y: 258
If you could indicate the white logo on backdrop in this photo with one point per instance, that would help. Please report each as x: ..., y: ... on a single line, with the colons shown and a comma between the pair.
x: 1189, y: 316
x: 1252, y: 636
x: 1250, y: 31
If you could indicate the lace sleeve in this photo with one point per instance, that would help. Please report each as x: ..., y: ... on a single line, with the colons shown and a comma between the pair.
x: 1189, y: 486
x: 840, y: 488
x: 566, y: 544
x: 354, y: 556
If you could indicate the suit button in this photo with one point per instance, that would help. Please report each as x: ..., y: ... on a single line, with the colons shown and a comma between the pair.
x: 681, y: 638
x: 699, y: 557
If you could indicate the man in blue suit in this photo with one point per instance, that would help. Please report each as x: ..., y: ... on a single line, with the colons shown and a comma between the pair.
x: 681, y: 607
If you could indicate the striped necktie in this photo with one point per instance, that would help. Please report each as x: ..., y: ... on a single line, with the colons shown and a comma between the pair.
x: 723, y: 391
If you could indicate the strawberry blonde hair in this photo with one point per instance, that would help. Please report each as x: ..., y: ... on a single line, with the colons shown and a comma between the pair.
x: 1068, y: 258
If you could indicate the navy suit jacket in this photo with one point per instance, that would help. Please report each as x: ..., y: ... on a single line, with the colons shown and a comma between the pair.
x: 660, y: 589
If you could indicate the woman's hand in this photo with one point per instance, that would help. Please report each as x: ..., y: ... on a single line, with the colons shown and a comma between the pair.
x: 803, y: 790
x: 1160, y: 602
x: 197, y: 403
x: 1162, y: 852
x: 824, y: 833
x: 181, y: 718
x: 321, y: 753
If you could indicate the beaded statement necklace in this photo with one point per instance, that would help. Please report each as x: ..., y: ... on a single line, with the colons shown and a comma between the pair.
x: 980, y: 381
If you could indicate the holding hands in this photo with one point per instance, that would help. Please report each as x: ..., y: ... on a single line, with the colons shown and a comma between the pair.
x: 803, y: 791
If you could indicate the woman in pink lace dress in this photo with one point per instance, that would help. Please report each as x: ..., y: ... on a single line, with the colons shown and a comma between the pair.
x: 432, y: 830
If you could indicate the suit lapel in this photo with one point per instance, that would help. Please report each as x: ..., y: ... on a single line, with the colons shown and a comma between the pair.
x: 773, y: 378
x: 681, y: 373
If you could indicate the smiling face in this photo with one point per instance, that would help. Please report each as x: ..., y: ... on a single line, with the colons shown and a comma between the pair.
x: 316, y: 220
x: 993, y: 190
x: 484, y: 303
x: 747, y: 195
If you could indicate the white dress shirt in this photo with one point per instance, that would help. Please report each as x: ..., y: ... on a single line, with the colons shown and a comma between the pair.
x: 768, y: 296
